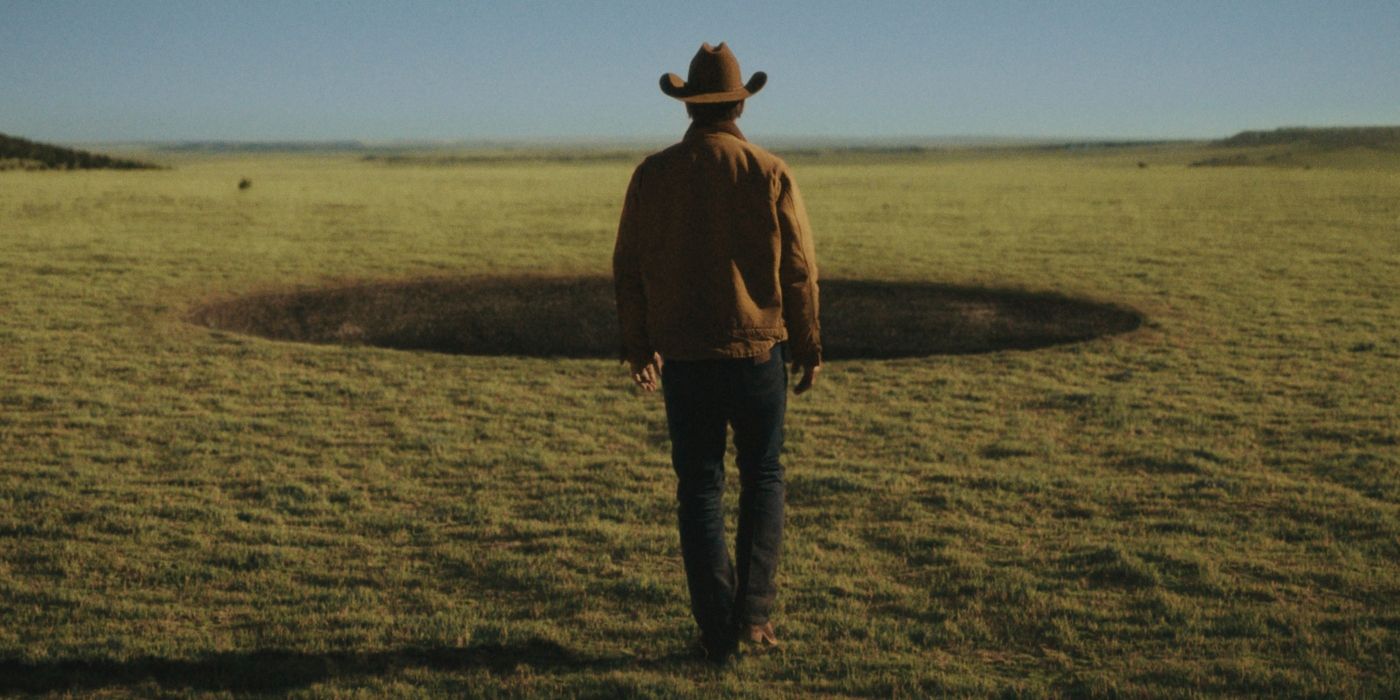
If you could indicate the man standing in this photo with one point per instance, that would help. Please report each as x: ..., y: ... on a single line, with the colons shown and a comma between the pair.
x: 716, y: 283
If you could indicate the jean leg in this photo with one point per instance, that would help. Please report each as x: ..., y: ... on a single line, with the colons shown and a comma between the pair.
x: 757, y: 416
x: 695, y: 418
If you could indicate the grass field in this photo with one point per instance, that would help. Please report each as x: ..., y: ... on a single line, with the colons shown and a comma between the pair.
x: 1207, y: 505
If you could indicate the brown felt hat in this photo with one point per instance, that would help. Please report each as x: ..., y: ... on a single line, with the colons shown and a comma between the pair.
x: 713, y: 77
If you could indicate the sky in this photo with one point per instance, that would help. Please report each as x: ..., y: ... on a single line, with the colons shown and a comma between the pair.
x: 379, y: 70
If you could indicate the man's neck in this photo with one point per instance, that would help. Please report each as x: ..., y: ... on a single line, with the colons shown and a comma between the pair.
x: 698, y: 129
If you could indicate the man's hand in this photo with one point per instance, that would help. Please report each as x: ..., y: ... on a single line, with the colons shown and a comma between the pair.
x: 647, y: 374
x: 809, y: 375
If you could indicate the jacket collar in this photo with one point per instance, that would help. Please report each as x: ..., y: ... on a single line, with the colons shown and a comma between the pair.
x: 700, y: 130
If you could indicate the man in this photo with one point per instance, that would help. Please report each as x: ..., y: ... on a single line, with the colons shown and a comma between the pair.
x: 716, y: 283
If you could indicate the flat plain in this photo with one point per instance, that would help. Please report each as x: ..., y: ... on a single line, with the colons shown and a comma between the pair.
x: 1206, y: 505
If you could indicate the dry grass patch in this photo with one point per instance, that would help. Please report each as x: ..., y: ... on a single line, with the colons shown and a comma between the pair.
x: 537, y: 316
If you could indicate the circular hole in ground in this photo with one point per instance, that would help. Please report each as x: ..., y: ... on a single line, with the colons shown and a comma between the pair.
x: 576, y: 317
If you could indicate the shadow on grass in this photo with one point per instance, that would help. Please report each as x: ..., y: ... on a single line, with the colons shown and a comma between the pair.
x: 273, y: 670
x: 576, y: 317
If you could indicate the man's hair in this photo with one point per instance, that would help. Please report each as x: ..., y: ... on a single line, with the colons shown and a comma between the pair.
x: 714, y: 111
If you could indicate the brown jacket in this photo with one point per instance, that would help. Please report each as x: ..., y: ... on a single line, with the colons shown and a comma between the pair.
x: 714, y: 254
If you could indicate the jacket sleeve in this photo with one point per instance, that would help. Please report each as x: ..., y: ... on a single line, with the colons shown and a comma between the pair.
x: 797, y: 275
x: 627, y: 279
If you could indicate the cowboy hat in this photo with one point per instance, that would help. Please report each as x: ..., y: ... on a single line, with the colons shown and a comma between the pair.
x: 713, y: 77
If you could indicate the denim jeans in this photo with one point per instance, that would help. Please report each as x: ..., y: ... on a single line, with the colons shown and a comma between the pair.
x: 702, y: 398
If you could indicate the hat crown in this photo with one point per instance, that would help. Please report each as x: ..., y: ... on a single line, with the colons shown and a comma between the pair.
x: 713, y: 77
x: 714, y: 69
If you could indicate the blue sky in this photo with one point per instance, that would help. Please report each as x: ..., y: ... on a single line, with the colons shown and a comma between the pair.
x: 381, y: 70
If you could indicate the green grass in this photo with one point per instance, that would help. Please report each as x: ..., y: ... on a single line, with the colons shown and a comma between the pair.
x: 1207, y: 505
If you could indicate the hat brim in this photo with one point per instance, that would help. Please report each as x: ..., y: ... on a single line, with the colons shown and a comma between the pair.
x: 674, y: 86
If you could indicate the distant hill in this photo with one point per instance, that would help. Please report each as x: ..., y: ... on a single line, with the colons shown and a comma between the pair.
x: 1330, y: 138
x: 1356, y: 146
x: 22, y: 154
x: 263, y: 147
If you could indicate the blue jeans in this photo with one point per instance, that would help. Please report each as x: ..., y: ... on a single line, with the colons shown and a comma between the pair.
x: 702, y: 398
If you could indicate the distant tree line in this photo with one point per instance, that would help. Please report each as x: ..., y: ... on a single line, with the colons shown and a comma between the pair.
x: 16, y: 152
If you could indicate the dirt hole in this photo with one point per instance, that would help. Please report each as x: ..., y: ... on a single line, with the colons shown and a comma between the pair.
x: 576, y: 317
